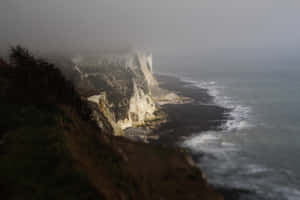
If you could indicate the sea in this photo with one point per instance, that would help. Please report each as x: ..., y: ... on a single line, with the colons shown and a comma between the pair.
x: 258, y: 148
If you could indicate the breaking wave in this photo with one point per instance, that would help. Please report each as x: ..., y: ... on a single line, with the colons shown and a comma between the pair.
x: 238, y: 115
x: 225, y: 163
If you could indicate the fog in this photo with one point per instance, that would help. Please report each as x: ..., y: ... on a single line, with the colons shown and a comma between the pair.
x: 206, y: 31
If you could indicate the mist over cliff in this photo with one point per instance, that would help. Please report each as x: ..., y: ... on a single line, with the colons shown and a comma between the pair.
x: 205, y: 31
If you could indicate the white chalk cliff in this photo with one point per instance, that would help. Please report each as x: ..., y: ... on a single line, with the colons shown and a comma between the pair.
x: 127, y: 81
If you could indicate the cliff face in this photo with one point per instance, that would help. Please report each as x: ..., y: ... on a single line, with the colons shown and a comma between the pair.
x: 51, y: 149
x: 143, y: 62
x: 120, y: 85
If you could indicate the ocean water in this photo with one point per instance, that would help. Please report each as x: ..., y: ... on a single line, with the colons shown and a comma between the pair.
x: 258, y: 149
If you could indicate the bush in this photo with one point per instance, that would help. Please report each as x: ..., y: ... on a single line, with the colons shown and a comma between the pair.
x: 33, y: 81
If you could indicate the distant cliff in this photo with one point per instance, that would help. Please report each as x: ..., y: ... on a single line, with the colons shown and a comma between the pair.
x: 121, y: 86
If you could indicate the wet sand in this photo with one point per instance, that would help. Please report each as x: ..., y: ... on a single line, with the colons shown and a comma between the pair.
x: 187, y: 119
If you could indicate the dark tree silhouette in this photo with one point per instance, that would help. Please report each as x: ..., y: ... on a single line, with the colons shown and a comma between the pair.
x: 31, y: 80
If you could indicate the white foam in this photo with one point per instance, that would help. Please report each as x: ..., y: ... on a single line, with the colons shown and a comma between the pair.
x: 228, y: 164
x: 255, y: 169
x: 201, y: 142
x: 209, y: 142
x: 227, y: 144
x: 289, y: 193
x: 239, y: 114
x: 204, y: 138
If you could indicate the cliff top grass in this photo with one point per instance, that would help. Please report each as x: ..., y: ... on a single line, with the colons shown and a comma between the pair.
x: 34, y: 160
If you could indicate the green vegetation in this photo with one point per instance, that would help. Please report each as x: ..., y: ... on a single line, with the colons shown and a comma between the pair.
x: 28, y: 80
x: 35, y: 162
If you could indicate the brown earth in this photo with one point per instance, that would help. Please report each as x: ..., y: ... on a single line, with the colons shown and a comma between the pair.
x: 122, y: 169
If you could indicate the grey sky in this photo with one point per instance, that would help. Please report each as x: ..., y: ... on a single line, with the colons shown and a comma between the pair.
x: 223, y: 29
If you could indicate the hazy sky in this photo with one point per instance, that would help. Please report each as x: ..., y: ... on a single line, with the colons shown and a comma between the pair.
x: 208, y: 29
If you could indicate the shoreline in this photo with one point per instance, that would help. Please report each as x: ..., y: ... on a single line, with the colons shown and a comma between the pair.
x: 196, y: 116
x: 190, y: 111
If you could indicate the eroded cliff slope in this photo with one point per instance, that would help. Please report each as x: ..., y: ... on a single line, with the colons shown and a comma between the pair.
x: 121, y: 84
x: 50, y: 148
